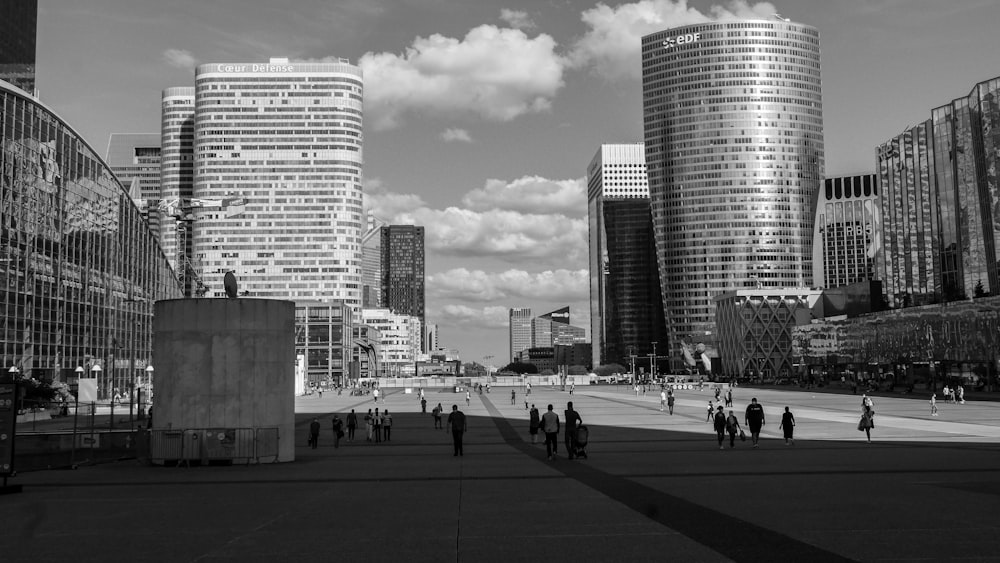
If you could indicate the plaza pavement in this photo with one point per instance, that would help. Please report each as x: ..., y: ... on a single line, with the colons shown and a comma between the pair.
x: 656, y: 487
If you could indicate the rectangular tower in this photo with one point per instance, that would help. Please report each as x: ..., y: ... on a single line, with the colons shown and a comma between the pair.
x: 402, y: 270
x: 848, y: 230
x: 626, y: 310
x: 176, y: 178
x: 135, y: 159
x: 519, y: 330
x: 285, y: 139
x: 18, y: 23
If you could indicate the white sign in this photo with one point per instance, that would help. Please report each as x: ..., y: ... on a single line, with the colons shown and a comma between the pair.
x: 255, y: 68
x: 681, y: 40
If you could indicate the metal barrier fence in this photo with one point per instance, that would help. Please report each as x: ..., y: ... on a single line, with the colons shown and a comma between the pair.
x: 206, y: 445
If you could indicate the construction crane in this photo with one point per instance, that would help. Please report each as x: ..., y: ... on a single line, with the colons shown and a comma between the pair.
x: 182, y: 210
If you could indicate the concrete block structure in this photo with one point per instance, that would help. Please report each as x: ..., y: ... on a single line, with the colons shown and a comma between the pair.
x: 227, y: 364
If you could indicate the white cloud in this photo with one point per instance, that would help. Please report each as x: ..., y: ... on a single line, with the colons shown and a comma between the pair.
x: 456, y: 135
x: 612, y: 45
x: 494, y: 73
x: 180, y: 58
x: 467, y: 317
x: 531, y: 194
x: 557, y: 286
x: 517, y: 19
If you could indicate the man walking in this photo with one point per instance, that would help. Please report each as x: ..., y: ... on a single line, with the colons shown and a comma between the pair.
x: 550, y: 425
x: 377, y: 426
x: 456, y: 421
x: 729, y: 398
x: 754, y: 419
x: 386, y: 425
x: 670, y: 401
x: 720, y: 426
x: 437, y: 416
x: 338, y: 430
x: 352, y: 423
x: 314, y: 433
x: 663, y: 399
x: 375, y: 394
x: 534, y: 421
x: 934, y: 409
x: 573, y: 421
x: 423, y: 404
x: 513, y: 396
x: 788, y: 425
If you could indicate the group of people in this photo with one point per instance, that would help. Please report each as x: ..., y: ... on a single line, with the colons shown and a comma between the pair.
x: 753, y: 418
x: 550, y: 425
x: 378, y: 427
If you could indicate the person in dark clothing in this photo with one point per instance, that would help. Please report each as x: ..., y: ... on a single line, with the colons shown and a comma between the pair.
x: 788, y: 425
x: 732, y: 427
x: 457, y: 423
x: 573, y: 421
x: 352, y: 423
x: 423, y: 405
x: 338, y: 430
x: 754, y: 419
x: 534, y: 421
x: 719, y: 423
x: 550, y: 425
x: 314, y: 433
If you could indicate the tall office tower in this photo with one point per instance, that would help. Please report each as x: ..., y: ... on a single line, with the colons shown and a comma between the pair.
x: 518, y: 330
x: 176, y: 177
x: 371, y: 263
x: 402, y: 268
x: 399, y: 340
x: 733, y: 119
x: 18, y: 22
x: 135, y: 159
x: 939, y: 184
x: 626, y: 314
x: 431, y: 341
x: 848, y: 230
x: 286, y: 139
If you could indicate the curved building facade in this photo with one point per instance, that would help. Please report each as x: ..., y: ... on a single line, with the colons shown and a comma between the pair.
x: 285, y: 140
x: 733, y: 120
x: 79, y: 267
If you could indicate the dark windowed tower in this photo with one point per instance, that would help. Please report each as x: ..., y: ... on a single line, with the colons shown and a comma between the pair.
x: 402, y: 249
x: 17, y: 43
x: 848, y: 231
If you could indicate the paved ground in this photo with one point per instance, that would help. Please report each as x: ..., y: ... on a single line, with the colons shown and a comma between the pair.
x: 656, y: 487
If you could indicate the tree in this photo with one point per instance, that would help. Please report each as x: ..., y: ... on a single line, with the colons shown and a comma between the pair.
x: 520, y: 368
x: 980, y: 291
x: 547, y: 372
x: 608, y: 369
x: 576, y: 370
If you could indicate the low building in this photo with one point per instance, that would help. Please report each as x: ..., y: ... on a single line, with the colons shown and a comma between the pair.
x: 324, y: 338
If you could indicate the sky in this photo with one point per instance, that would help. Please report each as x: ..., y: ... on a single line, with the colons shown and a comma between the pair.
x: 481, y: 116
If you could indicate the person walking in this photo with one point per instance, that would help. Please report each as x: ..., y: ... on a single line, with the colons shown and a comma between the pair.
x: 513, y: 396
x: 711, y: 412
x: 368, y: 425
x: 718, y: 394
x: 468, y: 396
x: 754, y: 419
x: 572, y: 387
x: 352, y: 423
x: 375, y: 394
x: 732, y: 427
x: 573, y: 422
x: 663, y: 399
x: 534, y: 420
x: 934, y: 410
x: 788, y: 425
x: 867, y: 422
x: 729, y: 398
x: 719, y: 419
x: 314, y: 433
x: 960, y: 395
x: 550, y: 425
x: 387, y: 425
x: 438, y: 411
x: 670, y: 401
x: 458, y: 425
x: 377, y: 426
x: 423, y: 405
x: 338, y: 431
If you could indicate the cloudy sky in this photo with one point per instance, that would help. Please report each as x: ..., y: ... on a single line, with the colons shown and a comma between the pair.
x: 481, y: 117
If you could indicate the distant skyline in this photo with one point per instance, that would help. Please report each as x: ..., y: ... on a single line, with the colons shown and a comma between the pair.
x: 481, y: 118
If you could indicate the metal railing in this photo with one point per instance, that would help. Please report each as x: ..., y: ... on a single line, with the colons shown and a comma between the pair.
x: 206, y: 445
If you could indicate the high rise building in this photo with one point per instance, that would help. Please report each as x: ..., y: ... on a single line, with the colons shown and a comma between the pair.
x: 939, y: 184
x: 286, y: 140
x: 402, y: 268
x: 626, y: 313
x: 733, y: 119
x: 177, y: 178
x: 135, y: 159
x: 519, y: 330
x: 848, y: 231
x: 399, y: 341
x: 371, y: 263
x: 553, y: 329
x: 18, y: 23
x: 431, y: 341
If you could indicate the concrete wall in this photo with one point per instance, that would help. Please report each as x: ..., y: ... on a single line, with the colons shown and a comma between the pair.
x: 226, y: 363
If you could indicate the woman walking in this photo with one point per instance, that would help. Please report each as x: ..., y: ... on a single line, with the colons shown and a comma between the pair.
x: 732, y: 427
x: 720, y: 426
x: 368, y: 425
x: 534, y: 420
x: 934, y: 411
x: 788, y: 425
x: 867, y: 422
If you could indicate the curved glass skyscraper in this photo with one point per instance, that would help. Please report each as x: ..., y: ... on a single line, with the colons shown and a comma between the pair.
x: 733, y: 119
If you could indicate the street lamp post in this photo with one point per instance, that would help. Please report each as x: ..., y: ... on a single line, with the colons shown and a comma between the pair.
x: 652, y: 367
x: 14, y: 372
x: 138, y: 391
x: 96, y: 370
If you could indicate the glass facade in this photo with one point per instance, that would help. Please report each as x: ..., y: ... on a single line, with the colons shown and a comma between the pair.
x: 79, y: 266
x: 176, y: 178
x: 626, y: 312
x: 848, y: 231
x: 519, y: 328
x: 399, y: 338
x: 135, y: 160
x: 323, y: 336
x: 285, y: 138
x: 941, y: 204
x: 402, y: 270
x: 733, y: 120
x: 18, y: 22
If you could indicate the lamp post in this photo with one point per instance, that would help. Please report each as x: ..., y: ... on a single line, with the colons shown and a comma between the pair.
x: 14, y: 372
x: 138, y: 391
x: 652, y: 366
x: 96, y: 370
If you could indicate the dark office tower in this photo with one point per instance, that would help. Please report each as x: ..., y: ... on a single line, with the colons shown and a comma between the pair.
x: 733, y: 120
x: 135, y: 159
x: 402, y: 249
x: 626, y: 314
x: 938, y: 183
x: 848, y: 231
x: 17, y: 43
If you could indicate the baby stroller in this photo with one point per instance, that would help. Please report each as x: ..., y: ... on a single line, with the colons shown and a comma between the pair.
x: 582, y: 435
